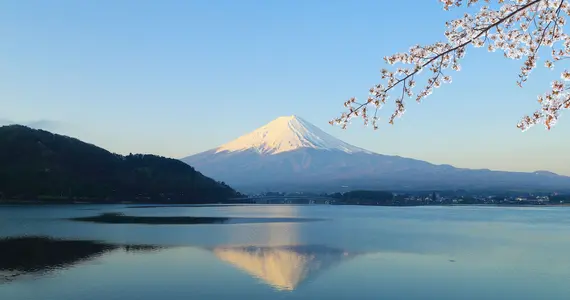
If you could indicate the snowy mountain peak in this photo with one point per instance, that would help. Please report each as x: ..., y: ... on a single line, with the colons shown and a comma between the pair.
x: 288, y: 133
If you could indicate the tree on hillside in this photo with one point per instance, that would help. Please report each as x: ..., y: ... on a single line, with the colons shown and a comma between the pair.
x: 518, y: 28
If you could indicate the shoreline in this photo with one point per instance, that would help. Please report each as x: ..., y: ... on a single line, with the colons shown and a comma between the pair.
x: 135, y: 204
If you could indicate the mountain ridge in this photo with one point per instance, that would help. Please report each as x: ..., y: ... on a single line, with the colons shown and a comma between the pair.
x: 37, y: 164
x: 336, y: 165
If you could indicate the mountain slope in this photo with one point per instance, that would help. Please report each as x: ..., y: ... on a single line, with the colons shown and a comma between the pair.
x: 291, y: 154
x: 39, y: 164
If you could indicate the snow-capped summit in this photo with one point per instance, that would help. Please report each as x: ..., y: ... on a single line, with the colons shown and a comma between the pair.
x: 286, y: 134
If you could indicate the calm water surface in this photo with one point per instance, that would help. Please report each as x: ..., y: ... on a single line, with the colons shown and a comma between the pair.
x: 354, y: 253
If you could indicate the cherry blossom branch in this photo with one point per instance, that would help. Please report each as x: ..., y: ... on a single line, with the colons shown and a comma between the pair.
x: 512, y: 33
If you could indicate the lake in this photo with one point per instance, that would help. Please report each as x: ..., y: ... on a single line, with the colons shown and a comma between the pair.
x: 286, y: 252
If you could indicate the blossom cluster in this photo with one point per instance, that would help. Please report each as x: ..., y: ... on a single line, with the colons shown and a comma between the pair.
x: 518, y: 28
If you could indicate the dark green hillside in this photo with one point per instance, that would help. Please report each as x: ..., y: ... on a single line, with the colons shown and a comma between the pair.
x: 36, y: 164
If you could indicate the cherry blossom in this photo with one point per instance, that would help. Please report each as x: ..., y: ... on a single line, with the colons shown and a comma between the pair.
x: 518, y: 28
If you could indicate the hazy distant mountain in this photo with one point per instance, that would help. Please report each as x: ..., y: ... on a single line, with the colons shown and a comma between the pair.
x: 290, y: 154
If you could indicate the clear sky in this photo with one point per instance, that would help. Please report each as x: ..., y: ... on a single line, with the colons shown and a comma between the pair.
x: 178, y: 77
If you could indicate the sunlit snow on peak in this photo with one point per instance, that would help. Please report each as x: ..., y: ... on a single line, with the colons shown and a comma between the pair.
x: 286, y: 134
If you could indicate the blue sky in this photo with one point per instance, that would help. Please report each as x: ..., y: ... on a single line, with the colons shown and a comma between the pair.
x: 178, y: 77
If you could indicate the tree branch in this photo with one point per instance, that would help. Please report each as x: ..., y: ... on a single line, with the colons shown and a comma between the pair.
x: 452, y: 49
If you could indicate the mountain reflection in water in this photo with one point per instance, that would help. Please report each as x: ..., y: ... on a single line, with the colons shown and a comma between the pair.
x: 283, y: 267
x: 38, y: 255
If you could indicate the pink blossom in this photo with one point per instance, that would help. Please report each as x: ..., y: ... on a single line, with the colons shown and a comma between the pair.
x: 518, y: 28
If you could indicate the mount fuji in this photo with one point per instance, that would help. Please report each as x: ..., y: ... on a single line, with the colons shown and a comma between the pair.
x: 291, y: 154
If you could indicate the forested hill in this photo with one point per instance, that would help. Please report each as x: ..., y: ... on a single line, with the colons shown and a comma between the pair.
x: 36, y: 164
